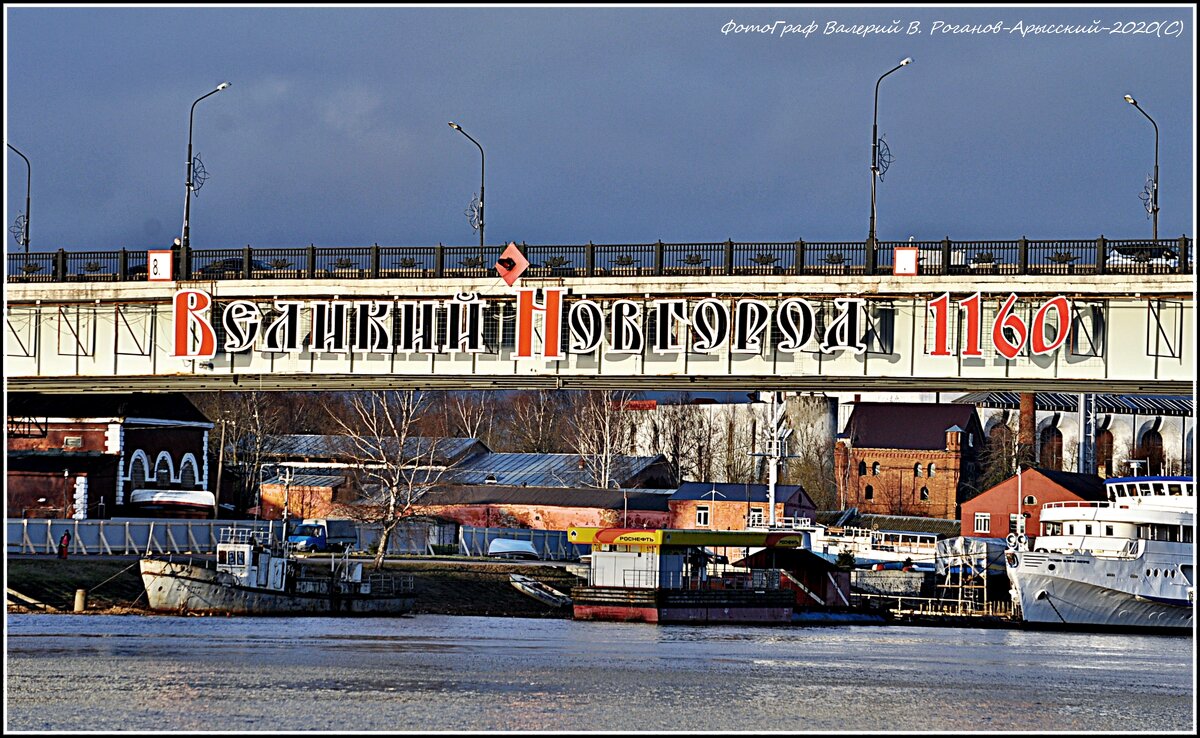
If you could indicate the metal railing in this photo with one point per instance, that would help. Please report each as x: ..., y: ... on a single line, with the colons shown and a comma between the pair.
x: 1054, y: 257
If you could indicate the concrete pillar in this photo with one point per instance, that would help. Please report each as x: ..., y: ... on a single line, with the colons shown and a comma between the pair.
x: 80, y: 600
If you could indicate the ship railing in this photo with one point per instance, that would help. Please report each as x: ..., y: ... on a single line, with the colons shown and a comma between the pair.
x: 1075, y: 503
x: 239, y: 535
x: 757, y: 579
x: 905, y: 605
x: 389, y: 584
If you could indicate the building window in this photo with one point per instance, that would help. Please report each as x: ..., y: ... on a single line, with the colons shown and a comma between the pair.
x: 862, y: 468
x: 983, y: 523
x: 1104, y: 453
x: 875, y: 469
x: 756, y: 516
x: 1030, y: 500
x: 702, y: 515
x: 1151, y: 451
x: 970, y: 440
x: 932, y: 469
x: 869, y: 493
x: 916, y: 470
x: 925, y: 494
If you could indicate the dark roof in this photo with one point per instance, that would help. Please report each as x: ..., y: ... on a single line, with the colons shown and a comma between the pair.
x: 735, y: 492
x: 155, y: 406
x: 907, y: 523
x: 1172, y: 405
x: 493, y: 494
x: 1087, y: 486
x: 309, y: 446
x: 907, y: 425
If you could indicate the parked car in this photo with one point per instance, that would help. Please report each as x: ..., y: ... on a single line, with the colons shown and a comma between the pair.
x: 1148, y: 255
x: 230, y: 267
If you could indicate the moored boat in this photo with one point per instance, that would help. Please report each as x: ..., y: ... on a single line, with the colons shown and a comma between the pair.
x: 252, y: 578
x: 1121, y: 564
x: 542, y: 592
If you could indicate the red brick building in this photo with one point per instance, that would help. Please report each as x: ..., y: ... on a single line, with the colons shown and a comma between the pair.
x: 101, y: 456
x: 993, y: 514
x: 918, y: 459
x: 546, y: 508
x: 732, y: 506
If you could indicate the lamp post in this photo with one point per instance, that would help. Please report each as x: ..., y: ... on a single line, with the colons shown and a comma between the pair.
x: 875, y: 163
x: 482, y: 163
x: 28, y: 178
x: 187, y: 200
x: 1153, y: 195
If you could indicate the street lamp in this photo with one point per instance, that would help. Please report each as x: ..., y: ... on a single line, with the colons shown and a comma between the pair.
x: 458, y: 128
x: 187, y: 201
x: 875, y: 163
x: 1154, y: 194
x: 28, y: 178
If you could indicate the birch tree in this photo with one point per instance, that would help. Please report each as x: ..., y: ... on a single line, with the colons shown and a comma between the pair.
x: 601, y: 432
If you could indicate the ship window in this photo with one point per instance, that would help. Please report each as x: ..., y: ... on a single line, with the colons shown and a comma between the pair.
x: 221, y: 556
x: 1186, y: 534
x: 1156, y: 572
x: 1175, y: 490
x: 1070, y: 529
x: 983, y: 522
x: 1158, y: 490
x: 1108, y: 530
x: 241, y: 558
x: 1087, y: 529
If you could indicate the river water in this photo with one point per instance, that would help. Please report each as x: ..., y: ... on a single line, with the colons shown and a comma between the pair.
x: 444, y: 673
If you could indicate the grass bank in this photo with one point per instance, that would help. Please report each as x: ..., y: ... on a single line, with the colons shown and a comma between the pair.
x: 442, y: 587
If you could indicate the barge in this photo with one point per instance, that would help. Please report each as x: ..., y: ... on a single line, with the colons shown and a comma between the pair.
x: 682, y: 576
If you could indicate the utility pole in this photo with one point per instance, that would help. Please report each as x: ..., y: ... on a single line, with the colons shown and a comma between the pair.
x: 776, y: 451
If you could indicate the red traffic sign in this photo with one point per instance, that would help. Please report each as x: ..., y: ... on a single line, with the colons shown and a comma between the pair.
x: 512, y: 264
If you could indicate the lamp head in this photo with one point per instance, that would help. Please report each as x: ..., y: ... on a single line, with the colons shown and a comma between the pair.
x: 1129, y: 99
x: 222, y: 86
x: 907, y: 61
x: 455, y: 126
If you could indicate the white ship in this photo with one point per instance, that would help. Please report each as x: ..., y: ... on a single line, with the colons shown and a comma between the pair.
x: 1122, y: 564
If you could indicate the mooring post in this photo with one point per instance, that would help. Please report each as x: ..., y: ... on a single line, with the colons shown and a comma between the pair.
x: 80, y: 600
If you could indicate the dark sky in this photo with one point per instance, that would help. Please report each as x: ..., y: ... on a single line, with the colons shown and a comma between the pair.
x: 614, y: 125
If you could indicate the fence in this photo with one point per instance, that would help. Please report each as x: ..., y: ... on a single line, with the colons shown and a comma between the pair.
x: 142, y: 536
x: 552, y: 545
x: 945, y: 257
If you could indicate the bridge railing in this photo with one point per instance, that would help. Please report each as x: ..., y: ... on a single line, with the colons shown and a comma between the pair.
x: 1056, y: 257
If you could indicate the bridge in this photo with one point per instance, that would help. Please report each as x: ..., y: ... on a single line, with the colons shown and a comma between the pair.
x: 1093, y: 315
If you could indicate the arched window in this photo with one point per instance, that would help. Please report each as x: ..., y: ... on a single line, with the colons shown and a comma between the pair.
x: 875, y: 469
x: 924, y: 494
x: 162, y: 469
x: 916, y: 470
x: 1050, y: 454
x: 932, y: 469
x: 137, y: 469
x: 869, y: 493
x: 862, y: 468
x: 187, y: 472
x: 1151, y: 450
x: 1104, y: 453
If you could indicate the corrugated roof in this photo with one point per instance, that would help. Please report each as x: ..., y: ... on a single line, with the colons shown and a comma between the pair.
x: 492, y: 494
x: 907, y: 425
x: 309, y: 480
x: 732, y: 491
x: 541, y: 470
x: 1168, y: 405
x: 446, y: 450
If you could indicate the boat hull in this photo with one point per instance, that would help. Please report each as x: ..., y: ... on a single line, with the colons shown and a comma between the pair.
x: 1071, y: 596
x: 629, y: 604
x: 188, y: 588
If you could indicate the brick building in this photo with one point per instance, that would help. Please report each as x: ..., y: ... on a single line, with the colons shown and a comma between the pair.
x: 994, y: 513
x: 731, y: 506
x: 102, y: 456
x: 917, y: 459
x: 546, y: 508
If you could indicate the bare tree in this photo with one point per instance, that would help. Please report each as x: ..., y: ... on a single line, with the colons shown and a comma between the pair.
x: 670, y: 433
x: 533, y: 423
x: 601, y: 432
x: 812, y: 445
x: 740, y: 442
x: 245, y: 437
x: 394, y: 466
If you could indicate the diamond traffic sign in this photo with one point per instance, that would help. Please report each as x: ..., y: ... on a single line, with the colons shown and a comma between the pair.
x: 512, y: 264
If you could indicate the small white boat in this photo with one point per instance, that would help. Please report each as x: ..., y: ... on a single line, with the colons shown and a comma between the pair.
x: 539, y: 591
x: 511, y: 548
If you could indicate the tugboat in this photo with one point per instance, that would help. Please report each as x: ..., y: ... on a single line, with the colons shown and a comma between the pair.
x: 251, y: 577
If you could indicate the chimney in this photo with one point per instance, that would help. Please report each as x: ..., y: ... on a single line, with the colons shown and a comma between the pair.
x: 1026, y: 426
x: 581, y: 462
